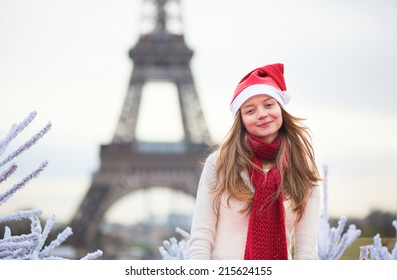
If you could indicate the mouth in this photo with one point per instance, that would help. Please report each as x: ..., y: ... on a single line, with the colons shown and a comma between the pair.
x: 265, y: 124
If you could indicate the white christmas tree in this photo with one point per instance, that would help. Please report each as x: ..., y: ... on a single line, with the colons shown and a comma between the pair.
x: 331, y: 242
x: 377, y: 251
x: 173, y: 249
x: 27, y: 246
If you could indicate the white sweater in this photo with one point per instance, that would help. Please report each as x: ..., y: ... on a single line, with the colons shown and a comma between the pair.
x: 225, y: 238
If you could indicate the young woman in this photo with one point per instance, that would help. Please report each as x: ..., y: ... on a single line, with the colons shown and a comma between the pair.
x: 257, y: 196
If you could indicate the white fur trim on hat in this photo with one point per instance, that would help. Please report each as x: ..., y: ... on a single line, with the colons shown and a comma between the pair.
x: 282, y: 97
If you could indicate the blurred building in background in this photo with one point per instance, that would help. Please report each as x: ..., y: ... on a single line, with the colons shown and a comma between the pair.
x: 129, y: 164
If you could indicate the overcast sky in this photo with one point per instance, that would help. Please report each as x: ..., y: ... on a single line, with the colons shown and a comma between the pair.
x: 68, y: 60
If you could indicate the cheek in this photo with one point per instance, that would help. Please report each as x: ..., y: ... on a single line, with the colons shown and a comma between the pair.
x: 247, y: 122
x: 279, y: 122
x: 278, y: 117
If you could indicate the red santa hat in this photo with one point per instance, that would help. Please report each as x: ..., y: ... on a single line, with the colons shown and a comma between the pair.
x: 267, y: 80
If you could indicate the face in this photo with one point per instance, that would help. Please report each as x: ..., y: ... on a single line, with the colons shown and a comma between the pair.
x: 261, y: 116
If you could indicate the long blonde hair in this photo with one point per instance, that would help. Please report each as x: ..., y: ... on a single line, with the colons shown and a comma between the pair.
x: 297, y: 179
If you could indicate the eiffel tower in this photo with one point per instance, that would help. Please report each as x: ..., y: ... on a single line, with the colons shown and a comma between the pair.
x: 128, y: 164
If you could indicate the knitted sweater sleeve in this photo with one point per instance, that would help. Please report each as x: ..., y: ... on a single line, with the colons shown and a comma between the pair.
x: 306, y: 231
x: 204, y: 219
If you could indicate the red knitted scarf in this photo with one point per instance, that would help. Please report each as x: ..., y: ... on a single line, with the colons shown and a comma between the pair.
x: 266, y: 237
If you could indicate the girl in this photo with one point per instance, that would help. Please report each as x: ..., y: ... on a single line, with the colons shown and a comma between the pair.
x: 257, y: 196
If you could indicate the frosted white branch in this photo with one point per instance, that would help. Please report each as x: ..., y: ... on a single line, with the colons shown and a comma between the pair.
x: 331, y: 241
x: 379, y: 252
x: 183, y: 233
x: 364, y: 252
x: 15, y: 253
x: 7, y: 232
x: 17, y: 247
x: 10, y: 192
x: 15, y: 130
x: 173, y: 249
x: 55, y: 243
x: 36, y: 227
x: 31, y: 237
x: 27, y: 246
x: 23, y: 214
x: 8, y: 172
x: 92, y: 256
x: 27, y: 145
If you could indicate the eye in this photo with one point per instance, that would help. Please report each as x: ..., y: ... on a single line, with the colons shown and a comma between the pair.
x: 269, y: 104
x: 248, y: 111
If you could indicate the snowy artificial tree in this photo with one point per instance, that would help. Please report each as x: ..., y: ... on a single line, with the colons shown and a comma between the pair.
x: 331, y: 242
x: 377, y: 251
x: 173, y: 249
x: 27, y: 246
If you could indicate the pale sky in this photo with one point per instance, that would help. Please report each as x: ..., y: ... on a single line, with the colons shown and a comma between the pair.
x: 68, y: 60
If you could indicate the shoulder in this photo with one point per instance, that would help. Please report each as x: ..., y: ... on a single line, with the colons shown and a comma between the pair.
x: 315, y: 192
x: 209, y: 168
x: 212, y: 158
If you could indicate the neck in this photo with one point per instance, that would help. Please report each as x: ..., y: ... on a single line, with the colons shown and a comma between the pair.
x: 266, y: 165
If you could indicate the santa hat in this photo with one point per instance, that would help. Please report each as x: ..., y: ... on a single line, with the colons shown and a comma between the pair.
x: 267, y: 80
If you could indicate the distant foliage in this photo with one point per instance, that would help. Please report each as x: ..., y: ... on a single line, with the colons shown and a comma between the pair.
x: 376, y: 222
x: 27, y: 246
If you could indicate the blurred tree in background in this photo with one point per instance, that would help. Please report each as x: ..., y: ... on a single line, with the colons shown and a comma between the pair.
x: 376, y: 222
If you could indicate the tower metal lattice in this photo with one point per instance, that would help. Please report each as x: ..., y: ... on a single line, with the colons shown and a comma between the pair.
x: 128, y: 164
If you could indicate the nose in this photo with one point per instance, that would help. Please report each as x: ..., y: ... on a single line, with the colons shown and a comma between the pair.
x: 262, y: 113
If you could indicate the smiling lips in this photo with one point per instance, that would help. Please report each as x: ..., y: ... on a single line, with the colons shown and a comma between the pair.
x: 264, y: 125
